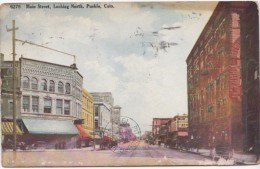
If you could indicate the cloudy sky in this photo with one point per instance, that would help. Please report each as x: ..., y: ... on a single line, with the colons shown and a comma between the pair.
x: 137, y: 51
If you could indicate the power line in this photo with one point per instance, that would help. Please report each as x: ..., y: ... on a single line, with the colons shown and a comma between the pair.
x: 31, y: 43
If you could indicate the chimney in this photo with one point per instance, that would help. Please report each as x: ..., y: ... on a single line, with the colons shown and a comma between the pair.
x: 73, y: 66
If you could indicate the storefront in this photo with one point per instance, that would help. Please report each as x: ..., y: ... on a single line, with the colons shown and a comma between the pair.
x: 84, y: 137
x: 54, y: 133
x: 7, y: 134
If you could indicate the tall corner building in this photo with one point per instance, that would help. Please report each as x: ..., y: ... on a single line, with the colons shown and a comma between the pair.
x: 48, y: 99
x: 215, y: 81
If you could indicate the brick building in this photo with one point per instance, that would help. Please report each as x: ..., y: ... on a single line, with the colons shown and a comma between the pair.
x: 159, y: 128
x: 214, y: 80
x: 177, y: 130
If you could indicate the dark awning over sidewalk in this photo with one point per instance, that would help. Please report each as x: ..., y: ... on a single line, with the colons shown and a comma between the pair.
x: 50, y: 126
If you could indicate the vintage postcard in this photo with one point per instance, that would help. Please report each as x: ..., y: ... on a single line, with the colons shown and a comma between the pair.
x: 129, y: 83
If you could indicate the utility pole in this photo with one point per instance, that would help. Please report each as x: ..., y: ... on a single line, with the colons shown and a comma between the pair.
x: 14, y: 85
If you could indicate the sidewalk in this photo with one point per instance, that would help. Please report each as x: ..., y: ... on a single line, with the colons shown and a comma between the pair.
x: 238, y: 157
x: 69, y: 149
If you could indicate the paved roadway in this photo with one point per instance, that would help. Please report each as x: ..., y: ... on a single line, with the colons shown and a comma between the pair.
x: 144, y: 155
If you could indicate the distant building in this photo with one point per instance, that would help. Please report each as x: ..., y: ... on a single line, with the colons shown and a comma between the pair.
x: 158, y: 125
x: 103, y: 97
x: 48, y: 100
x: 214, y: 79
x: 177, y: 131
x: 103, y: 103
x: 115, y: 118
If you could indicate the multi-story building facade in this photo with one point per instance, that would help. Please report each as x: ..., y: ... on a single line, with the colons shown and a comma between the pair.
x: 159, y: 128
x: 48, y: 99
x: 115, y: 119
x: 249, y: 21
x: 214, y: 80
x: 87, y: 110
x: 103, y: 97
x: 87, y: 116
x: 103, y: 103
x: 102, y: 117
x: 177, y: 130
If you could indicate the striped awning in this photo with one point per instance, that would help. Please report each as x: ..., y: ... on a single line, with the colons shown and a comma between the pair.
x: 7, y: 128
x: 82, y: 132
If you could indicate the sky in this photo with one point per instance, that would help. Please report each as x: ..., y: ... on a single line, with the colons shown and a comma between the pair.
x: 137, y: 51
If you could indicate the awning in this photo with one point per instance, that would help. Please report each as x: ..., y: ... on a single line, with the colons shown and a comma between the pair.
x: 82, y: 132
x: 182, y: 133
x: 50, y: 126
x: 7, y: 128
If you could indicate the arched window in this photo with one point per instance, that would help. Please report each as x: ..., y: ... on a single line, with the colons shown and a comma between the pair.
x: 25, y: 82
x: 60, y: 87
x: 52, y: 86
x: 67, y: 88
x: 34, y: 83
x: 44, y: 85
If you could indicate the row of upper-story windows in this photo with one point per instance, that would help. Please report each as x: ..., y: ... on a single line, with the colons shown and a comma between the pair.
x: 44, y: 85
x: 31, y: 104
x: 86, y: 103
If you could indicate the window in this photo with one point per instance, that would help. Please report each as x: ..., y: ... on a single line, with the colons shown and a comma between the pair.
x: 96, y: 110
x: 87, y: 121
x: 52, y: 86
x: 96, y: 124
x: 44, y: 85
x: 58, y: 106
x: 60, y: 87
x: 11, y: 106
x: 25, y: 82
x: 34, y: 83
x: 67, y: 107
x: 35, y: 104
x: 47, y: 105
x: 67, y: 88
x: 26, y: 103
